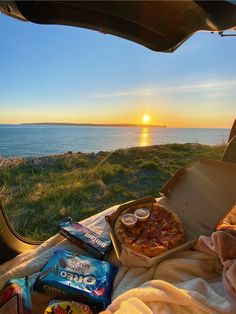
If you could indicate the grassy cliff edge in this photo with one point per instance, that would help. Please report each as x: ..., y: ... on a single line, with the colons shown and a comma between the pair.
x: 38, y: 193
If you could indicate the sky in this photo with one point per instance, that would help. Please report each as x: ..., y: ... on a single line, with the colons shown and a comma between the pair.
x: 51, y: 73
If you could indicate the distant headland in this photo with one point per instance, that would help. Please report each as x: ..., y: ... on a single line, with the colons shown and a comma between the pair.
x: 122, y: 125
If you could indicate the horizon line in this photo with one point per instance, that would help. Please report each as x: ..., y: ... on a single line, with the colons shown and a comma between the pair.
x: 110, y: 125
x: 89, y: 124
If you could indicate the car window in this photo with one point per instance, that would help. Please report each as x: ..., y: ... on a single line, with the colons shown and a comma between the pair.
x: 90, y: 120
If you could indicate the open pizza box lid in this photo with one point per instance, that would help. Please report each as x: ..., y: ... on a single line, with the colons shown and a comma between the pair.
x: 201, y: 196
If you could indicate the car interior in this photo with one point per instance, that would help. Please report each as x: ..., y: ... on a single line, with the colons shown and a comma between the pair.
x: 161, y: 26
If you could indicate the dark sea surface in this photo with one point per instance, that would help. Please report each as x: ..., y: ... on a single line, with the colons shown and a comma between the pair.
x: 39, y: 140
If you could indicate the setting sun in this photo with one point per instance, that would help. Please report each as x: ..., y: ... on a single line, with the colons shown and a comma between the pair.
x: 146, y: 118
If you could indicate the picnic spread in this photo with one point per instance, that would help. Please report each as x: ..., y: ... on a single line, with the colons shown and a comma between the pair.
x: 197, y: 280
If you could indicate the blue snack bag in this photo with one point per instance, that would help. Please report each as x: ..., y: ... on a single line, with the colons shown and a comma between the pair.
x: 96, y: 245
x: 77, y: 277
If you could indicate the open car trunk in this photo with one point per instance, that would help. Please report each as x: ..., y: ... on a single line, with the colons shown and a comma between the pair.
x: 160, y: 26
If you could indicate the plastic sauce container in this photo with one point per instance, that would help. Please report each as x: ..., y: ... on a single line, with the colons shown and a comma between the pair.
x: 142, y: 214
x: 129, y: 220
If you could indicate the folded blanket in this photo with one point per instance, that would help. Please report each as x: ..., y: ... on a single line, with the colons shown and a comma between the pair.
x: 160, y: 297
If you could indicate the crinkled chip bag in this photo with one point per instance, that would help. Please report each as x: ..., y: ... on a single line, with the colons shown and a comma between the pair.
x: 67, y: 307
x: 77, y: 277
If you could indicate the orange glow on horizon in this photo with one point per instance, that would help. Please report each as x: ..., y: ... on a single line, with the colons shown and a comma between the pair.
x: 169, y: 118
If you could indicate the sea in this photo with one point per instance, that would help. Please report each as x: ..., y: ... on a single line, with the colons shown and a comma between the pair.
x: 41, y: 140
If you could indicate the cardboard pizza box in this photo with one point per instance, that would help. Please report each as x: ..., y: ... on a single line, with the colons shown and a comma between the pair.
x: 201, y: 196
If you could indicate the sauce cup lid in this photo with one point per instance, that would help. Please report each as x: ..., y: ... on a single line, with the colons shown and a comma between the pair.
x: 129, y: 220
x: 142, y: 213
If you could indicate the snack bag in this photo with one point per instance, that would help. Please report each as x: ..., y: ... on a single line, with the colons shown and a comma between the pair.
x: 85, y: 238
x: 77, y: 277
x: 67, y: 307
x: 15, y: 298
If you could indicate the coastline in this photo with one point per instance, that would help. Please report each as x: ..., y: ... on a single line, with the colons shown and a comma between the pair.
x: 108, y: 125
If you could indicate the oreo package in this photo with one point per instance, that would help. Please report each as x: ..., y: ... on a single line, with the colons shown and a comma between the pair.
x: 85, y: 238
x: 77, y: 277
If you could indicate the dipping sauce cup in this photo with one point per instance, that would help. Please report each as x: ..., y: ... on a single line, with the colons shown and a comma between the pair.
x: 142, y: 214
x: 129, y: 220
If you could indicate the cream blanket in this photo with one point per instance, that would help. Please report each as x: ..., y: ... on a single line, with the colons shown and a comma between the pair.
x: 189, y: 283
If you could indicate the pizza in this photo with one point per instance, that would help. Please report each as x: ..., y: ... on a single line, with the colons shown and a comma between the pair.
x: 161, y: 231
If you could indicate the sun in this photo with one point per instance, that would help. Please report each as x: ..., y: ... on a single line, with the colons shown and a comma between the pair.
x: 146, y: 118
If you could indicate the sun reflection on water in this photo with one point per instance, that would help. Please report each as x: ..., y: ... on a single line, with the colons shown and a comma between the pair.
x: 145, y: 138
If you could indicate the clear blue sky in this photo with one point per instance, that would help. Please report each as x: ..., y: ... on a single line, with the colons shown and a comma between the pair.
x: 67, y: 74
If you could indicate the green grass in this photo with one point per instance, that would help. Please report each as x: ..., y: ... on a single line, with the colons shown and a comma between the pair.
x: 38, y: 193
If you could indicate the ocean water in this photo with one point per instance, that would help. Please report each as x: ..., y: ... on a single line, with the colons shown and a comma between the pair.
x: 39, y: 140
